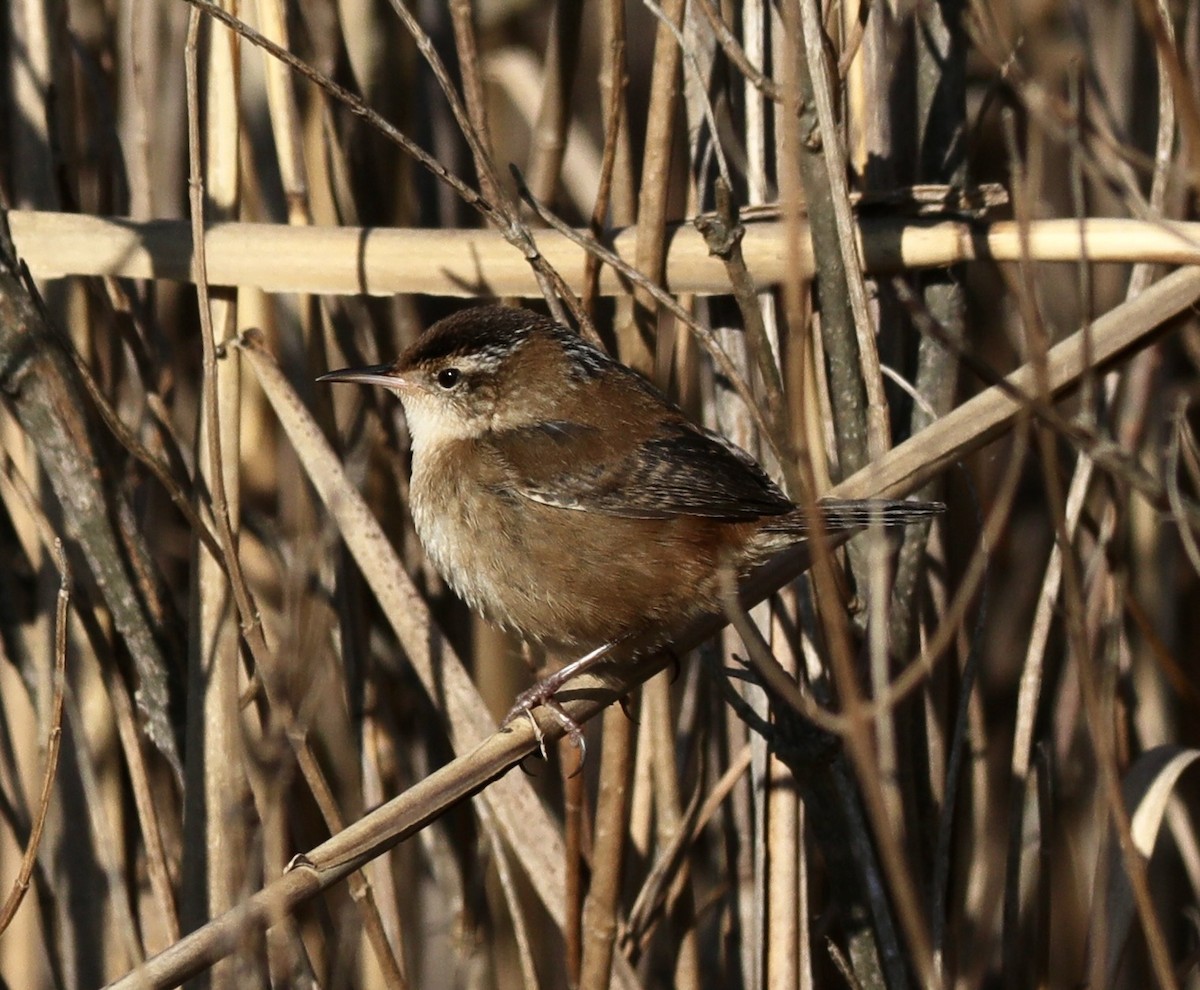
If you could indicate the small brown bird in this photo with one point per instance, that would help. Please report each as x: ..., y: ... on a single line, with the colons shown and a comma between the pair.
x: 566, y: 498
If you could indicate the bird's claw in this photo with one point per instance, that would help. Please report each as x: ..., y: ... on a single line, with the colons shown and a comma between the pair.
x: 537, y: 695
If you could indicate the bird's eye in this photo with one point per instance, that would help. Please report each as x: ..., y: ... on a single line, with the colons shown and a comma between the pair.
x: 447, y: 378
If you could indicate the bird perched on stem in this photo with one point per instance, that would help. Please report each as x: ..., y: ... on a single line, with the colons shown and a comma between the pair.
x: 567, y: 499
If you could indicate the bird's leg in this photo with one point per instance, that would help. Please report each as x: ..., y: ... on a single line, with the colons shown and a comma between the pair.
x: 544, y: 691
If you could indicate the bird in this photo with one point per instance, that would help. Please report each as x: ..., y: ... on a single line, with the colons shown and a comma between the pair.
x: 567, y: 499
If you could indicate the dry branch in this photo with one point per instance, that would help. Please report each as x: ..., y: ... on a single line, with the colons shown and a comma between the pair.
x: 467, y: 263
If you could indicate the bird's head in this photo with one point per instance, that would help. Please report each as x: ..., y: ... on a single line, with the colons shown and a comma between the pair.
x: 487, y: 368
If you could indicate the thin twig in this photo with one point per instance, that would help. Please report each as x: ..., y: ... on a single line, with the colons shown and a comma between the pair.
x: 1098, y: 448
x: 356, y: 106
x: 1158, y: 25
x: 703, y: 337
x: 251, y: 621
x: 724, y: 237
x: 506, y: 217
x: 843, y: 965
x: 148, y: 815
x: 614, y: 117
x: 1099, y: 729
x: 701, y: 85
x: 1179, y: 429
x: 1032, y: 669
x: 53, y: 743
x: 608, y: 851
x: 548, y: 139
x: 636, y: 338
x: 474, y: 125
x: 126, y: 437
x: 849, y: 277
x: 504, y: 220
x: 737, y: 54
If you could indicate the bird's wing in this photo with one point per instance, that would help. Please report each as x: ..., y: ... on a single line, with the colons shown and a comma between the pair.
x: 680, y: 470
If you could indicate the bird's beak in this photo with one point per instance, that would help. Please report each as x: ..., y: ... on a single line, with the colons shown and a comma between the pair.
x: 378, y: 374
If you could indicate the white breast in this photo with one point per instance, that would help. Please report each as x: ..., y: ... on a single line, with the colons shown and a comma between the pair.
x: 450, y: 530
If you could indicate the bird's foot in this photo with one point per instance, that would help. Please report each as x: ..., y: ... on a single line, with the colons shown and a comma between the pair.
x: 545, y: 690
x: 544, y: 694
x: 571, y: 729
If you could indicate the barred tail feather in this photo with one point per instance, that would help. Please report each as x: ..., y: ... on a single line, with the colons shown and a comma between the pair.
x: 840, y: 514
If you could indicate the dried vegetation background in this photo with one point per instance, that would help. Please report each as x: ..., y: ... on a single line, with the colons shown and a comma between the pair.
x: 219, y: 641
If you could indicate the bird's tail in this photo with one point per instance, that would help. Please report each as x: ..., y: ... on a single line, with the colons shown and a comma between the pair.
x: 847, y: 513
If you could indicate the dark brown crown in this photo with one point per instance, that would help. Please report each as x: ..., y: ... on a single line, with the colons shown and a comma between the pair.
x: 490, y: 334
x: 482, y: 332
